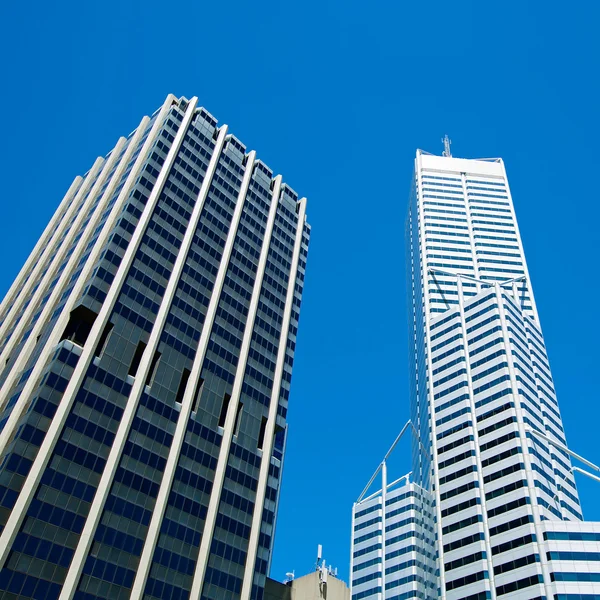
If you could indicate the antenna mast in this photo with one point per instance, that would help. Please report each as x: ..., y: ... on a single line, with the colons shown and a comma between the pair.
x: 446, y: 141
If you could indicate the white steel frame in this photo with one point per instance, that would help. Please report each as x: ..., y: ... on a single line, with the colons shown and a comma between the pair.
x: 385, y: 487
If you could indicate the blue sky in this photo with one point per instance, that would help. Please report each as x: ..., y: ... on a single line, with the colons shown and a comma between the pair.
x: 337, y: 96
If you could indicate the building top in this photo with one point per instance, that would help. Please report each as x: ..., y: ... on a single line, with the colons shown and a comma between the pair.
x: 288, y: 192
x: 308, y: 587
x: 487, y: 166
x: 321, y: 584
x: 456, y: 164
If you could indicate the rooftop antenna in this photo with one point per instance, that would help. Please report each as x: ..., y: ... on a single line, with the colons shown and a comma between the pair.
x: 289, y: 577
x: 324, y: 572
x: 446, y: 141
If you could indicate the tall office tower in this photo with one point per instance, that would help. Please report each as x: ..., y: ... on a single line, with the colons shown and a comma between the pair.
x: 146, y: 351
x: 483, y: 400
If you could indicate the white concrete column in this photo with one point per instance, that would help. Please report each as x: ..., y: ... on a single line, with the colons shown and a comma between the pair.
x: 20, y: 288
x: 17, y: 335
x: 352, y: 547
x: 531, y: 489
x: 520, y: 244
x: 430, y: 395
x: 54, y: 338
x: 539, y: 397
x: 281, y: 466
x: 101, y: 168
x: 190, y: 393
x: 473, y: 409
x: 228, y: 429
x: 62, y: 412
x: 463, y: 177
x: 384, y: 484
x: 515, y: 290
x: 116, y: 450
x: 267, y: 449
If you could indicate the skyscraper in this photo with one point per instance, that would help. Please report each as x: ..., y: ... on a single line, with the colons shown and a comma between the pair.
x: 483, y: 399
x: 146, y: 350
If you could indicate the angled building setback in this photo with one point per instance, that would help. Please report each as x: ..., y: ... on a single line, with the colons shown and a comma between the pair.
x: 393, y: 552
x: 495, y: 456
x: 146, y: 353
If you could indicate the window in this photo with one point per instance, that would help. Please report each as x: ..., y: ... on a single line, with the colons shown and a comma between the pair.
x: 261, y: 433
x: 153, y: 368
x: 224, y: 408
x: 182, y: 385
x: 236, y: 426
x: 103, y: 341
x: 137, y: 358
x: 468, y: 579
x: 513, y: 586
x: 197, y: 394
x: 79, y: 326
x: 572, y: 535
x: 575, y: 576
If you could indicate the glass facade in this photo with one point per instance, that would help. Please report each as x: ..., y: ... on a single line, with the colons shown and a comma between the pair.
x: 393, y: 550
x: 148, y: 346
x: 482, y: 397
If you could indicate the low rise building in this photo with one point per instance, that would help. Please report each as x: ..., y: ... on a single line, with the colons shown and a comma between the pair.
x: 321, y: 584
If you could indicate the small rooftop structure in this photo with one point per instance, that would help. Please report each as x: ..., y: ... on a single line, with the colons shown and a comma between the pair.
x: 321, y: 584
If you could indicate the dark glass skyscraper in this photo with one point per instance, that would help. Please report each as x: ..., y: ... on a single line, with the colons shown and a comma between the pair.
x: 146, y: 351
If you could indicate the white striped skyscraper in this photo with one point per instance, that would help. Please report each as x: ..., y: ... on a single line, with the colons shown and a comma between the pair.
x: 146, y: 350
x: 396, y: 523
x: 483, y: 399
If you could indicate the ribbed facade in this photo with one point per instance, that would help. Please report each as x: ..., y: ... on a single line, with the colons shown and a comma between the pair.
x: 146, y: 350
x: 481, y: 386
x: 393, y: 555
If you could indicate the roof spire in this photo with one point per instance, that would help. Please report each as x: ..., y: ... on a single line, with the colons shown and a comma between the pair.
x: 446, y: 141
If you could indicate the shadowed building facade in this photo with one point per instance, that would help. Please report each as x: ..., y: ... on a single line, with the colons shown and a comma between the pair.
x: 146, y: 350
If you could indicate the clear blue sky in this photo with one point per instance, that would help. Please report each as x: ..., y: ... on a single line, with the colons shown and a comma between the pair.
x: 337, y: 96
